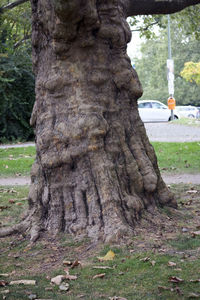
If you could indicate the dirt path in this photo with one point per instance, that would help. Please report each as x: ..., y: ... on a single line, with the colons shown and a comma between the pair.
x: 169, y: 179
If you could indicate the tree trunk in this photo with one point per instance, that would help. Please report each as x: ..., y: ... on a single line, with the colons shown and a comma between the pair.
x: 95, y: 170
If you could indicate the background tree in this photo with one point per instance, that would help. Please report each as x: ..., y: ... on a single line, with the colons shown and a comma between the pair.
x: 16, y: 77
x: 151, y: 66
x: 191, y: 72
x: 95, y: 170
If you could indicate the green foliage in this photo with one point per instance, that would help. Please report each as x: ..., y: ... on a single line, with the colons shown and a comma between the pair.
x: 16, y: 77
x: 191, y: 72
x: 151, y: 67
x: 187, y: 21
x: 17, y: 96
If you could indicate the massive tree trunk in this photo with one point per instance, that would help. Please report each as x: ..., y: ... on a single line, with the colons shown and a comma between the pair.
x: 95, y: 170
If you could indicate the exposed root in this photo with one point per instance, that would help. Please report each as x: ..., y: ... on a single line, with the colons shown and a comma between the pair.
x: 18, y: 228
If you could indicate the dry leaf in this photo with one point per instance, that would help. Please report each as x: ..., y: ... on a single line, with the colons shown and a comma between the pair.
x: 195, y: 280
x: 193, y: 295
x: 25, y: 282
x: 3, y: 282
x: 175, y: 279
x: 102, y: 267
x: 191, y: 192
x: 11, y: 201
x: 171, y: 264
x: 75, y: 264
x: 5, y: 292
x: 153, y: 262
x: 64, y: 286
x: 102, y: 275
x: 66, y: 271
x: 195, y: 233
x: 67, y: 262
x: 145, y: 259
x: 58, y: 279
x: 109, y: 256
x: 117, y: 298
x: 70, y: 277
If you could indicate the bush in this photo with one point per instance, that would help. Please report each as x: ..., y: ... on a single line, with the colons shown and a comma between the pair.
x: 17, y: 96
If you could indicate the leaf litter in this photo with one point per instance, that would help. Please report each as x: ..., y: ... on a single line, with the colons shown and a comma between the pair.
x: 155, y: 231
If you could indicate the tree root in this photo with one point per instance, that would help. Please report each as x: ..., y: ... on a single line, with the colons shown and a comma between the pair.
x: 24, y: 226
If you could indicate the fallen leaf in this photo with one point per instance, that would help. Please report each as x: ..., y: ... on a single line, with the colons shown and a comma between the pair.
x: 195, y: 233
x: 76, y: 263
x: 175, y: 279
x: 5, y: 292
x: 64, y: 286
x: 66, y: 271
x: 171, y: 264
x: 145, y: 259
x: 3, y: 283
x: 58, y: 279
x: 67, y: 262
x: 193, y: 295
x: 102, y: 275
x: 70, y: 277
x: 102, y: 267
x: 32, y: 296
x: 117, y: 298
x: 153, y: 262
x: 5, y: 274
x: 191, y: 192
x: 11, y: 201
x: 194, y: 280
x: 25, y: 282
x: 109, y: 256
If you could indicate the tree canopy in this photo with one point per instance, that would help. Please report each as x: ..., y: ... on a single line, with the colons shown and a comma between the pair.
x: 191, y: 72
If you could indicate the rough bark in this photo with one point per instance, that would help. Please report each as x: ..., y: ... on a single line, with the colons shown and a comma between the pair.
x: 95, y: 170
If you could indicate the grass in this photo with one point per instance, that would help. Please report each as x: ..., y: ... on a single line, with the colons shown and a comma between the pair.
x: 178, y: 157
x: 13, y: 202
x: 188, y: 122
x: 16, y: 161
x: 135, y: 273
x: 172, y: 157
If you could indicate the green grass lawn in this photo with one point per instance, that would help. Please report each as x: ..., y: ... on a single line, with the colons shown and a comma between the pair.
x: 178, y: 157
x: 16, y: 161
x: 172, y: 157
x: 188, y: 122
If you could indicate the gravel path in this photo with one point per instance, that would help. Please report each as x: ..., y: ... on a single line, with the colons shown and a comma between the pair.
x: 170, y: 132
x: 168, y: 178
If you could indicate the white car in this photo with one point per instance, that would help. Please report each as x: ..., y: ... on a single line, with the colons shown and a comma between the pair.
x: 155, y: 111
x: 188, y: 111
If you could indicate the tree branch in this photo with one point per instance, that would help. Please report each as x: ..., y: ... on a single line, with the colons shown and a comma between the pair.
x: 146, y: 27
x: 150, y: 7
x: 12, y: 5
